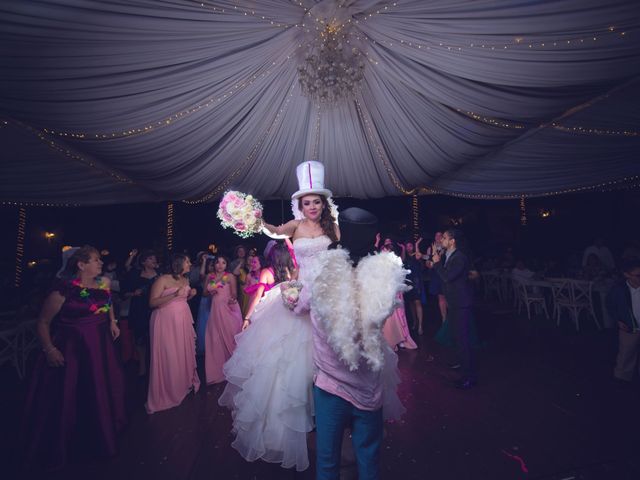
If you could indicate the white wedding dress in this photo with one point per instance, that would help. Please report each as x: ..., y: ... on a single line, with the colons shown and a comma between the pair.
x: 270, y: 374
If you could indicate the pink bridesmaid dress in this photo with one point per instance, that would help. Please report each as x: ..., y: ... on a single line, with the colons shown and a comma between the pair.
x: 173, y: 353
x: 396, y: 330
x: 225, y: 322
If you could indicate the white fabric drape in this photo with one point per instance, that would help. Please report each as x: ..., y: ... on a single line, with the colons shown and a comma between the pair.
x: 146, y: 100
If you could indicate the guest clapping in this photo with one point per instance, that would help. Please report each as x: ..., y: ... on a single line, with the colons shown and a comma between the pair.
x: 173, y: 356
x: 225, y: 321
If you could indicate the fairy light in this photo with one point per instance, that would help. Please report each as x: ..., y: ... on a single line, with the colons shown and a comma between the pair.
x: 170, y: 226
x: 595, y: 131
x: 523, y: 212
x: 491, y: 121
x: 9, y: 203
x: 630, y: 182
x: 382, y: 156
x: 416, y: 216
x: 250, y: 158
x: 316, y: 142
x: 22, y: 223
x: 517, y: 42
x: 225, y: 94
x: 248, y: 12
x: 69, y: 153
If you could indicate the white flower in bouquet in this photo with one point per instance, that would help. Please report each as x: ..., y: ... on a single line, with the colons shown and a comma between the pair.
x: 241, y: 212
x: 290, y: 292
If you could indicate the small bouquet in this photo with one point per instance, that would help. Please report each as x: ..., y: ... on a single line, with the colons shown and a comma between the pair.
x: 290, y: 292
x: 241, y: 212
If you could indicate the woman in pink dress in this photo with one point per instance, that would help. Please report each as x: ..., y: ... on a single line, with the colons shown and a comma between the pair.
x: 173, y: 341
x: 396, y: 330
x: 225, y: 321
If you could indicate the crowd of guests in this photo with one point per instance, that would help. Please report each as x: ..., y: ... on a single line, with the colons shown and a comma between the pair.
x: 167, y: 316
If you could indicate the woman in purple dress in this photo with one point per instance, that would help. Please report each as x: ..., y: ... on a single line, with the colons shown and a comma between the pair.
x: 78, y: 380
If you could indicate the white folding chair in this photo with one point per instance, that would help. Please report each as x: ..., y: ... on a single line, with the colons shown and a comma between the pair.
x: 491, y: 282
x: 28, y: 342
x: 528, y: 295
x: 9, y: 346
x: 573, y: 296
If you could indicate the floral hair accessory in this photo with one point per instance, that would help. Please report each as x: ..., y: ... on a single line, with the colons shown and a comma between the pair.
x: 290, y: 292
x: 241, y: 212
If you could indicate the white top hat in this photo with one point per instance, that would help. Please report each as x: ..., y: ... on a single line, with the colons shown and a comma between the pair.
x: 310, y: 180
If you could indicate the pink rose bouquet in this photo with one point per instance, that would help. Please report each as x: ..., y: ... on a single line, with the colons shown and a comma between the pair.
x: 241, y: 212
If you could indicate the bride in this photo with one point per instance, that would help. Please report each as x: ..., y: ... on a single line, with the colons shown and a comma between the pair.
x: 270, y: 374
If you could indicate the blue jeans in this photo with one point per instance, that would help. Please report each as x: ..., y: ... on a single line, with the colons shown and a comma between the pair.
x: 333, y: 415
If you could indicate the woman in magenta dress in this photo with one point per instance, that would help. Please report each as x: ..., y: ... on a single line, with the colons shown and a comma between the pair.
x: 78, y: 379
x: 225, y: 321
x: 172, y: 372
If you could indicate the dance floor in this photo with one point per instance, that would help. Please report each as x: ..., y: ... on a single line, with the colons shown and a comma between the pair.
x: 545, y: 408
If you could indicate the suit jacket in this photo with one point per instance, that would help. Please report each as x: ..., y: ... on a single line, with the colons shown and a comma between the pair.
x: 455, y: 280
x: 619, y: 305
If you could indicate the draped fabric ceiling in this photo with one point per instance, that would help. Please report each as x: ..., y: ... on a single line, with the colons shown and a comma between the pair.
x: 145, y: 100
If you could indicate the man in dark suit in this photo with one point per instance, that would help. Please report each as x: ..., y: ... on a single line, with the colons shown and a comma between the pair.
x: 453, y: 268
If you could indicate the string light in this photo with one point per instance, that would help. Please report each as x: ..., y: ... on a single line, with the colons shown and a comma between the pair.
x: 595, y: 131
x: 491, y: 121
x: 22, y: 222
x: 69, y: 153
x: 416, y: 216
x: 430, y: 190
x: 8, y: 203
x: 316, y: 141
x: 381, y: 152
x: 245, y: 12
x: 170, y: 226
x: 250, y: 158
x: 523, y: 212
x: 172, y: 118
x: 228, y: 92
x: 631, y: 182
x: 517, y: 42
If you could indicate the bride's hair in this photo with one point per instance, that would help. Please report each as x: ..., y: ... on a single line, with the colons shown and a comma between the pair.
x: 327, y: 220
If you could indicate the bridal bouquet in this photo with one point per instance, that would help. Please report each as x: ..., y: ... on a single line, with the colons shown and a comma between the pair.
x: 241, y: 212
x: 290, y: 292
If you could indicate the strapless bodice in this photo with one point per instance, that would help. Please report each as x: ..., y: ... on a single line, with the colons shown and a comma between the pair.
x: 306, y: 250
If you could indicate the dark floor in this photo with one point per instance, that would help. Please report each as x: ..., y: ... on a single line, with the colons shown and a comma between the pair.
x: 545, y: 405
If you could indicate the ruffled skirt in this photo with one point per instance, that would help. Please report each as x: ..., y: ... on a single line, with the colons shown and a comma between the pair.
x: 269, y: 388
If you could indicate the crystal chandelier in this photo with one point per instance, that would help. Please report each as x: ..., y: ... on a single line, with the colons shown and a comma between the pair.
x: 331, y: 68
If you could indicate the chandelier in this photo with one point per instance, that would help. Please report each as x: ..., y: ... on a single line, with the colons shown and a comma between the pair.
x: 331, y: 68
